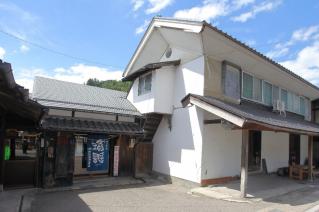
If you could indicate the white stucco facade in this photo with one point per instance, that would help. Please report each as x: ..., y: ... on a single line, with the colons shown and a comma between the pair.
x: 177, y: 152
x: 191, y: 149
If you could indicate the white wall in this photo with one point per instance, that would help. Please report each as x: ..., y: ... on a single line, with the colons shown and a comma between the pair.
x: 275, y: 149
x: 221, y: 152
x: 79, y: 114
x: 144, y: 103
x: 178, y: 152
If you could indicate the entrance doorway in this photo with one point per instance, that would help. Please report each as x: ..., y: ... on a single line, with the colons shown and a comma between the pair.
x: 294, y: 149
x: 254, y: 151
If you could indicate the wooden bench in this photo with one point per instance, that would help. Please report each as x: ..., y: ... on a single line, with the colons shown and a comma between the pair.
x: 298, y: 172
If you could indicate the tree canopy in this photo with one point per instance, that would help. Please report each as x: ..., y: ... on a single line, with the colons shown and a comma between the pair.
x: 110, y: 84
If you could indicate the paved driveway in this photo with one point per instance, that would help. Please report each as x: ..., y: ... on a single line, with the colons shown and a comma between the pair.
x: 161, y: 197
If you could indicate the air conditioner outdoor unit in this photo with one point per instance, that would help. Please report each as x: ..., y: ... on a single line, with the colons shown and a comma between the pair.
x: 279, y: 106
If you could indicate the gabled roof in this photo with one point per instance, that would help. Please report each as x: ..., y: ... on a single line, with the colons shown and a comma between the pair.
x: 247, y: 114
x: 182, y: 23
x: 59, y: 94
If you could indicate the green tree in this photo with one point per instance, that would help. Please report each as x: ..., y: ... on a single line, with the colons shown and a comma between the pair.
x: 110, y: 84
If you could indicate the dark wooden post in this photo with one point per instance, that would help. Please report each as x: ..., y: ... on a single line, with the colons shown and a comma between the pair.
x: 310, y: 157
x: 2, y: 137
x: 244, y: 163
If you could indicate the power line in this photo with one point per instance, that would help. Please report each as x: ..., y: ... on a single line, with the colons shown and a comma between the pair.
x: 52, y: 50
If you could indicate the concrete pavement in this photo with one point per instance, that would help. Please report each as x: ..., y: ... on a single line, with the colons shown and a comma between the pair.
x: 158, y: 196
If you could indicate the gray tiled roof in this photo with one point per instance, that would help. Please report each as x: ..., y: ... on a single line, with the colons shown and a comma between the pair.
x: 261, y: 114
x: 59, y: 94
x: 96, y: 126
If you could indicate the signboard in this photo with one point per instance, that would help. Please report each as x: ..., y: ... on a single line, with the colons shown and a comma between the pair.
x: 97, y: 154
x: 116, y: 161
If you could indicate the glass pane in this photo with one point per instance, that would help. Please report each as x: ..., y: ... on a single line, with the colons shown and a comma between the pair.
x: 267, y: 93
x: 257, y: 89
x: 290, y: 102
x: 275, y: 94
x: 232, y: 82
x: 247, y: 86
x: 140, y: 85
x: 296, y: 103
x: 284, y: 97
x: 148, y: 82
x: 302, y: 106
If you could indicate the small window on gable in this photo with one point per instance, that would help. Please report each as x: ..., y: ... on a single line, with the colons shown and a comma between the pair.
x: 145, y: 84
x: 231, y: 80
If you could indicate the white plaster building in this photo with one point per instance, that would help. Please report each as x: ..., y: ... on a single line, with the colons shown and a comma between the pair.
x: 212, y: 90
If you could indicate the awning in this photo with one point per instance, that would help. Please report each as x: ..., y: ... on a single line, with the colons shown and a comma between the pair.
x: 150, y: 67
x: 248, y: 115
x: 90, y: 126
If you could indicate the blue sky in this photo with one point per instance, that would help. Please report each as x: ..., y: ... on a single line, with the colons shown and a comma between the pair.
x: 101, y: 36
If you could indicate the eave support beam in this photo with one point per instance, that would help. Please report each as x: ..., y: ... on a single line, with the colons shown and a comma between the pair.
x: 244, y: 163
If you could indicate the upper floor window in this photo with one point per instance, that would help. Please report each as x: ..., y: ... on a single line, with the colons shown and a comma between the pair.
x: 267, y: 93
x: 145, y: 84
x: 231, y: 80
x: 252, y: 87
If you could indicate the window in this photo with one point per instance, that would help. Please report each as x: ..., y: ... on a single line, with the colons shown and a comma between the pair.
x: 247, y: 86
x: 145, y: 84
x: 296, y: 105
x: 302, y: 106
x: 284, y: 97
x: 231, y: 81
x: 252, y: 87
x: 275, y: 94
x: 267, y: 93
x: 290, y: 105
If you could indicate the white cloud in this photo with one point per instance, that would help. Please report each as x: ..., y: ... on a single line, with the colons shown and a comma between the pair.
x: 306, y: 64
x: 137, y: 4
x: 2, y: 53
x: 242, y: 3
x: 24, y: 48
x: 300, y: 35
x: 209, y: 10
x: 157, y: 5
x: 304, y: 34
x: 79, y: 73
x: 263, y: 7
x: 142, y: 28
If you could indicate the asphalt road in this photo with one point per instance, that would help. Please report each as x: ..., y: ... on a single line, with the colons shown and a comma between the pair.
x: 160, y: 197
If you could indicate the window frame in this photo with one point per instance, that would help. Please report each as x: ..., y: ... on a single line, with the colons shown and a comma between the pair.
x: 226, y: 63
x: 142, y: 91
x: 262, y: 90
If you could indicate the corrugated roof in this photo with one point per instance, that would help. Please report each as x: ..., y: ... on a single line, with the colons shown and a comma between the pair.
x: 60, y: 94
x: 260, y: 114
x: 96, y: 126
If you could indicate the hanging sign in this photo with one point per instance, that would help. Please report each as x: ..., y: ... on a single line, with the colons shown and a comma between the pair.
x: 97, y: 154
